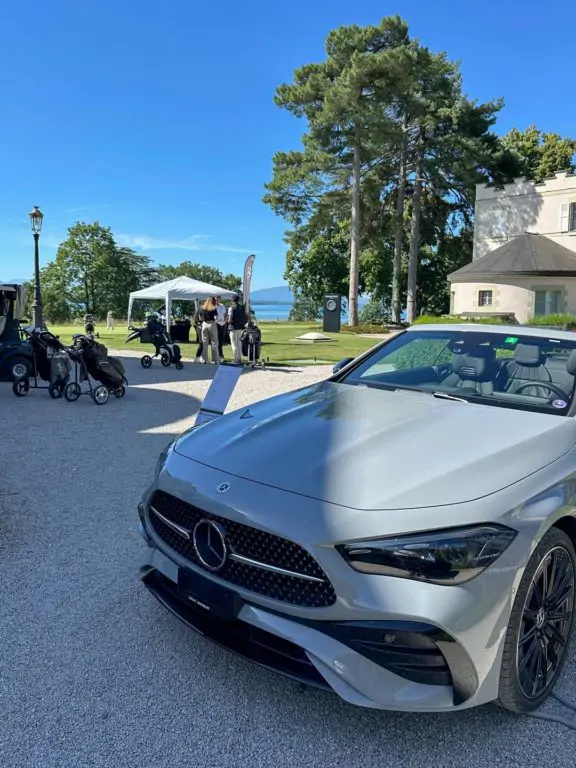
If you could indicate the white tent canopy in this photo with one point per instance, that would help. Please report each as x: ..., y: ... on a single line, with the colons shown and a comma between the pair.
x: 179, y: 289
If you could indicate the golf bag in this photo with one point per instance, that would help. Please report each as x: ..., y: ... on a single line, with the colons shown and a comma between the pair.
x: 89, y: 326
x: 154, y: 332
x: 51, y: 363
x: 163, y: 341
x: 251, y: 342
x: 100, y: 366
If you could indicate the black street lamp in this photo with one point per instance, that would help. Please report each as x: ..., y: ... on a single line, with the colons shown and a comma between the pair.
x: 36, y: 218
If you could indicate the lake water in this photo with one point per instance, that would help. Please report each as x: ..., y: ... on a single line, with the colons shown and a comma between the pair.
x: 278, y: 312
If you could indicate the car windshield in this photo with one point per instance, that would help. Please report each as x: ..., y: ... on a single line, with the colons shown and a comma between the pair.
x: 510, y: 371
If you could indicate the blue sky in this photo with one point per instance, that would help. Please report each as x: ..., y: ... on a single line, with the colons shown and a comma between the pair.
x: 158, y: 119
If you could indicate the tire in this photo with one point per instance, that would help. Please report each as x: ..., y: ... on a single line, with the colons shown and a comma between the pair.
x: 120, y: 392
x: 72, y: 392
x: 536, y: 644
x: 56, y: 389
x: 19, y: 368
x: 146, y: 361
x: 21, y: 387
x: 100, y: 395
x: 165, y: 359
x: 179, y: 366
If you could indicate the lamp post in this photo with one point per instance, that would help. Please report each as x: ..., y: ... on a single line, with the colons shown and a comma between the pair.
x: 36, y: 218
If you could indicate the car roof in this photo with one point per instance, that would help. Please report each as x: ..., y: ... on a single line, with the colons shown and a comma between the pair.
x: 510, y: 330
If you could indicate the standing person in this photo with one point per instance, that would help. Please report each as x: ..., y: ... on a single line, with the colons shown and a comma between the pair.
x: 110, y: 321
x: 236, y: 321
x: 209, y: 330
x: 197, y: 322
x: 221, y: 323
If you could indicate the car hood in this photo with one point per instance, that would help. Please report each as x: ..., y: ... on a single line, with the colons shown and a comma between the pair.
x: 371, y: 449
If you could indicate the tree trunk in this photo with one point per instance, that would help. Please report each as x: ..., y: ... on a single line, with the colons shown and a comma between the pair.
x: 355, y: 238
x: 415, y: 236
x: 397, y: 261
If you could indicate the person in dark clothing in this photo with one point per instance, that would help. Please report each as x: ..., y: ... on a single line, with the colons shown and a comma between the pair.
x: 197, y: 322
x: 236, y: 321
x: 221, y: 315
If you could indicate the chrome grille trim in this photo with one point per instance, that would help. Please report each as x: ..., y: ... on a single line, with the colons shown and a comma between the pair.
x: 174, y: 526
x: 273, y: 568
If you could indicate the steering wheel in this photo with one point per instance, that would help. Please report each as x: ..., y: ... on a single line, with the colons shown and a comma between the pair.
x: 553, y: 388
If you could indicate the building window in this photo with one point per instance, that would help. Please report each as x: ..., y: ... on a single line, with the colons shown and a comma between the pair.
x: 485, y: 298
x: 568, y: 217
x: 547, y: 302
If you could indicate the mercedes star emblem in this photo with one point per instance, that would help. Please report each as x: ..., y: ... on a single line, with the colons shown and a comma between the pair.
x: 223, y: 488
x: 209, y: 542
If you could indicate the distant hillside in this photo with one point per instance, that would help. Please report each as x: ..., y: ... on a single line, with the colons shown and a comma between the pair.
x: 281, y: 294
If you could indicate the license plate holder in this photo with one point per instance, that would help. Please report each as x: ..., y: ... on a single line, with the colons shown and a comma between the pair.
x: 207, y: 596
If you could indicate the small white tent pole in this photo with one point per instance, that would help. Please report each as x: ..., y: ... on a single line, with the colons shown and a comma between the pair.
x: 168, y: 305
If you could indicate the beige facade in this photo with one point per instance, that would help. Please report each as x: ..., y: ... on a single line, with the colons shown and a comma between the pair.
x: 517, y: 295
x: 524, y: 257
x: 547, y: 208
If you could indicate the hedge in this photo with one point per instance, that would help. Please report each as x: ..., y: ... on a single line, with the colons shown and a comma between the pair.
x: 556, y: 321
x: 366, y: 328
x: 431, y: 319
x: 547, y: 321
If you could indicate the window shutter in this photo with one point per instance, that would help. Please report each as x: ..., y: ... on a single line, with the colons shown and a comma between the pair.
x: 564, y: 216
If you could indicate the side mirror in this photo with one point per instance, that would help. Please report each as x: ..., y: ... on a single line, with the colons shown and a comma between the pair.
x: 342, y: 364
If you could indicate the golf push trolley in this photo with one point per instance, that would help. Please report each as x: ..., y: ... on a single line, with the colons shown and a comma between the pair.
x: 164, y: 348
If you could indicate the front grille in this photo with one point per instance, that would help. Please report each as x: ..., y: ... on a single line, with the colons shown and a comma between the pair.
x: 250, y: 543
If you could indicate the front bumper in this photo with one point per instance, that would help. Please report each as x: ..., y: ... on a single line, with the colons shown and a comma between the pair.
x: 365, y: 663
x: 384, y: 643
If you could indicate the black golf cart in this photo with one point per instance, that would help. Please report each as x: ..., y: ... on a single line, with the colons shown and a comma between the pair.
x: 16, y: 359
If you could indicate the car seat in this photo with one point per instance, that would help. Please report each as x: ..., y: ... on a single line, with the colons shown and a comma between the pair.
x: 473, y: 372
x: 528, y: 365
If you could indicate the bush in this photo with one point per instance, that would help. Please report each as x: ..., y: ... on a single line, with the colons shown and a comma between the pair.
x: 374, y: 313
x: 365, y: 328
x: 557, y: 321
x: 304, y: 309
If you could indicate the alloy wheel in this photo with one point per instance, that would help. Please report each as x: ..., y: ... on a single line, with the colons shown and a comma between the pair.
x: 546, y: 623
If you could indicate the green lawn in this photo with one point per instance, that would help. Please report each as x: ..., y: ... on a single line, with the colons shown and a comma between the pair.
x: 278, y: 343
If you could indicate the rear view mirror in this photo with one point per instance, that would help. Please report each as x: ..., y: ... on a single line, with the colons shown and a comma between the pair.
x: 342, y: 364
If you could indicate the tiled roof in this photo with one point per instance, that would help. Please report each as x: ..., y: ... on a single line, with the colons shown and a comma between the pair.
x: 527, y: 254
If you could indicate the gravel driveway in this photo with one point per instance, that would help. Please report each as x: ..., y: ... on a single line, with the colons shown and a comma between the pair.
x: 94, y: 672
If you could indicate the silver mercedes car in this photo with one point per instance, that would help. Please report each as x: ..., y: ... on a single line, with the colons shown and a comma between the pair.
x: 402, y: 534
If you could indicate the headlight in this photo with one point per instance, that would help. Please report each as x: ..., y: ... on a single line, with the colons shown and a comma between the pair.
x: 451, y: 556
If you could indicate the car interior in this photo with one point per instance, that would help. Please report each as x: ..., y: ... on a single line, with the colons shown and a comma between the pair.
x: 528, y: 373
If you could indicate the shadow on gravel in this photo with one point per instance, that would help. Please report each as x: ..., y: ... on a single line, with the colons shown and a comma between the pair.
x: 83, y: 454
x: 158, y: 374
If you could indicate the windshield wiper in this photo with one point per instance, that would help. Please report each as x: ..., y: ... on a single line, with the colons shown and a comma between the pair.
x: 446, y: 396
